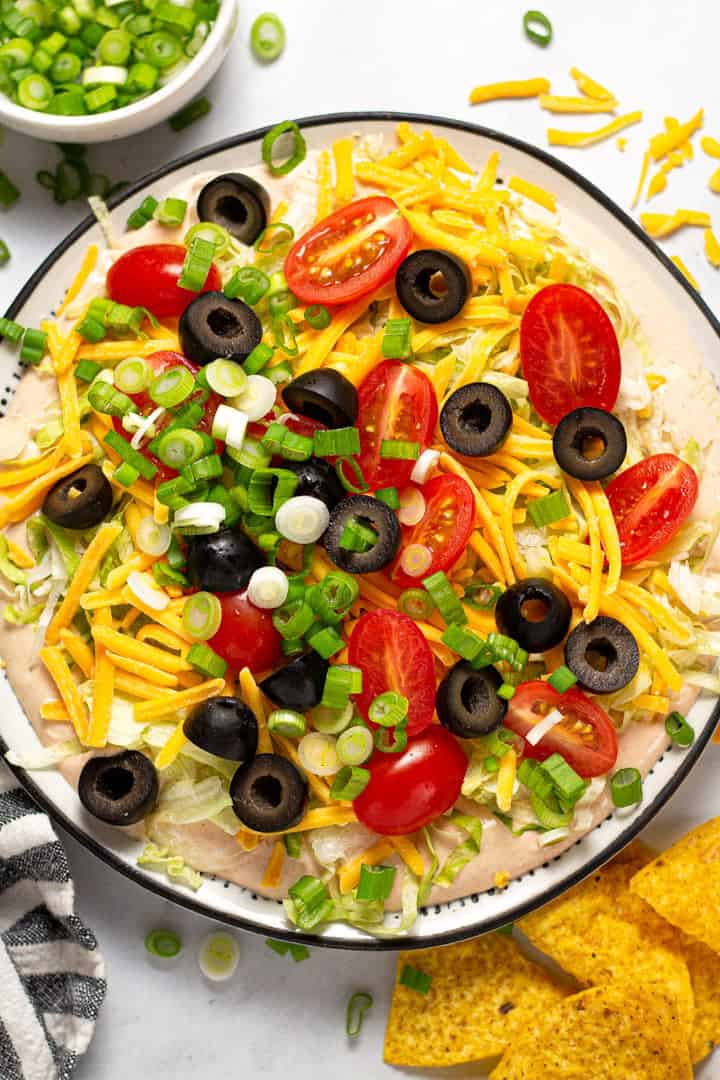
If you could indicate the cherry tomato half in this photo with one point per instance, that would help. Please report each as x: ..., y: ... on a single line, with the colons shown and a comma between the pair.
x: 394, y: 655
x: 408, y: 790
x: 159, y: 362
x: 569, y: 351
x: 396, y: 401
x: 349, y: 253
x: 650, y: 501
x: 147, y: 276
x: 591, y: 751
x: 247, y: 637
x: 444, y: 529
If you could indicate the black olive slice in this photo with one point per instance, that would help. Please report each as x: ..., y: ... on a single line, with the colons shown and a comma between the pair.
x: 433, y: 285
x: 223, y: 561
x: 476, y: 419
x: 467, y: 701
x: 589, y: 444
x: 237, y: 203
x: 603, y: 655
x: 535, y: 613
x: 120, y: 789
x: 299, y: 685
x: 269, y: 794
x: 79, y: 501
x: 318, y: 478
x: 323, y: 395
x: 379, y: 518
x: 213, y: 327
x: 223, y: 726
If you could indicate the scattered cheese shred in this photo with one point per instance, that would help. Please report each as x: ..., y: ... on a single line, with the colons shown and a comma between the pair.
x: 344, y: 182
x: 650, y: 703
x: 273, y: 871
x: 667, y: 141
x: 103, y: 688
x: 532, y: 191
x: 320, y: 817
x: 608, y: 536
x: 139, y: 651
x: 19, y: 555
x: 557, y: 137
x: 520, y: 88
x: 506, y: 780
x: 409, y: 854
x: 712, y: 248
x: 136, y: 687
x: 324, y: 342
x: 88, y: 566
x: 661, y: 225
x: 252, y: 696
x: 685, y: 272
x: 86, y: 268
x: 172, y: 747
x: 26, y: 502
x: 63, y: 360
x: 582, y: 496
x: 184, y: 699
x: 714, y: 182
x: 710, y: 146
x: 118, y: 350
x: 80, y: 652
x: 557, y: 104
x: 23, y: 474
x: 56, y: 665
x: 589, y: 86
x: 349, y: 872
x: 641, y: 181
x: 150, y: 674
x: 54, y: 711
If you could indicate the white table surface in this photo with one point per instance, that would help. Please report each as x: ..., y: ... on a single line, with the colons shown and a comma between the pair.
x: 277, y: 1018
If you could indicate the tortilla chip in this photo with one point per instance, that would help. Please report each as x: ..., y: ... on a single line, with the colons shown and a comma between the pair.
x: 619, y: 1030
x: 704, y: 967
x: 483, y: 994
x: 598, y: 932
x: 683, y: 884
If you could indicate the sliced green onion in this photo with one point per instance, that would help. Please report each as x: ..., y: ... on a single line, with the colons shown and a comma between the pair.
x: 302, y: 519
x: 491, y: 764
x: 165, y: 575
x: 202, y: 615
x: 506, y: 691
x: 538, y: 27
x: 326, y: 642
x: 626, y: 787
x: 142, y: 213
x: 287, y: 722
x: 285, y: 336
x: 87, y: 370
x: 9, y: 194
x: 376, y: 882
x: 318, y: 755
x: 219, y: 956
x: 248, y: 284
x: 396, y: 342
x: 275, y: 239
x: 357, y: 537
x: 267, y: 37
x: 317, y: 317
x: 192, y: 112
x: 562, y: 679
x: 337, y: 442
x: 341, y: 681
x: 293, y: 845
x: 268, y: 586
x: 415, y: 979
x: 311, y: 901
x: 482, y: 596
x: 171, y: 212
x: 161, y: 49
x: 132, y: 375
x: 359, y: 1004
x: 388, y: 709
x: 417, y: 603
x: 205, y: 660
x: 115, y: 47
x: 549, y: 509
x: 196, y: 266
x: 391, y: 740
x: 179, y: 447
x: 332, y: 721
x: 170, y: 492
x: 389, y: 496
x: 357, y: 485
x: 109, y: 401
x: 280, y: 303
x: 100, y: 100
x: 152, y: 537
x: 466, y: 643
x: 679, y: 730
x: 399, y: 449
x: 142, y: 78
x: 206, y: 468
x: 172, y: 387
x: 293, y: 620
x: 355, y: 745
x: 35, y: 92
x: 163, y: 943
x: 350, y: 782
x: 225, y: 377
x: 444, y: 598
x: 566, y: 781
x: 278, y: 167
x: 34, y: 344
x: 332, y: 597
x: 269, y: 490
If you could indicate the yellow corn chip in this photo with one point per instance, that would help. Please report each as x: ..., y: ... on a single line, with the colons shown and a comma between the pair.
x: 683, y: 884
x: 620, y: 1031
x: 482, y: 996
x: 597, y: 933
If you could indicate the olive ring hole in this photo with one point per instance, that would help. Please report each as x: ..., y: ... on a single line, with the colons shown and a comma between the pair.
x: 601, y: 655
x: 476, y: 416
x: 232, y: 209
x: 535, y: 609
x: 432, y: 284
x: 268, y: 789
x: 115, y: 783
x: 223, y: 323
x: 591, y: 445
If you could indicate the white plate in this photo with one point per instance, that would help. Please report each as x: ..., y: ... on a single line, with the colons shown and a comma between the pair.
x: 648, y: 280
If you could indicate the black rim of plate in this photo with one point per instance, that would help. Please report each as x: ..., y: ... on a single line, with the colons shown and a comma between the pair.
x: 691, y: 756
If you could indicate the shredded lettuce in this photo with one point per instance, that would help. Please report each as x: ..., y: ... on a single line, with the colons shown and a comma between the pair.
x: 8, y: 568
x: 164, y: 862
x: 188, y: 801
x: 156, y: 735
x: 428, y: 877
x: 465, y: 852
x: 700, y: 592
x: 36, y: 537
x: 18, y: 616
x: 65, y: 542
x: 46, y: 757
x: 513, y: 388
x: 48, y: 435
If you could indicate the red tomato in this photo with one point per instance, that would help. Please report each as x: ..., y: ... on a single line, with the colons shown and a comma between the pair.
x: 408, y: 790
x: 569, y: 351
x: 396, y: 401
x: 147, y: 276
x: 349, y: 253
x: 445, y: 527
x: 394, y: 655
x: 650, y: 501
x: 589, y: 754
x: 159, y: 362
x: 247, y: 637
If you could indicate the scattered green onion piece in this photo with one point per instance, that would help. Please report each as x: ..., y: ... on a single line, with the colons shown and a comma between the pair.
x: 125, y: 474
x: 87, y: 370
x: 444, y: 598
x: 626, y: 788
x: 275, y: 239
x: 123, y: 448
x: 359, y: 1004
x: 164, y: 574
x: 280, y: 303
x: 482, y: 596
x: 132, y: 375
x: 326, y: 642
x: 562, y: 679
x: 172, y: 387
x: 9, y: 194
x: 205, y: 468
x: 105, y: 399
x: 396, y: 343
x: 357, y: 537
x: 332, y: 597
x: 171, y: 212
x: 296, y: 447
x: 400, y: 450
x: 538, y: 27
x: 491, y: 764
x: 34, y: 344
x: 357, y: 485
x: 679, y: 730
x: 337, y: 442
x: 415, y: 980
x: 293, y: 620
x: 115, y: 47
x: 348, y: 783
x: 341, y: 681
x: 248, y: 284
x: 376, y: 882
x: 311, y: 901
x: 142, y: 213
x: 287, y: 722
x: 332, y: 721
x: 285, y: 336
x: 548, y: 509
x: 257, y: 360
x: 180, y: 447
x: 163, y: 943
x: 225, y: 377
x: 507, y: 929
x: 293, y: 845
x: 196, y: 266
x: 205, y: 660
x: 506, y: 691
x: 388, y: 709
x: 355, y: 745
x: 11, y: 331
x: 565, y: 780
x: 280, y: 167
x: 416, y: 603
x: 317, y: 317
x: 389, y: 496
x: 466, y: 643
x: 192, y: 112
x: 218, y: 956
x: 391, y: 740
x: 202, y: 615
x: 4, y: 253
x: 267, y: 37
x: 282, y: 948
x: 269, y: 489
x: 142, y: 78
x: 170, y: 493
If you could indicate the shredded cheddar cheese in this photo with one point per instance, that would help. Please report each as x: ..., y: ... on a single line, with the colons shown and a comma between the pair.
x: 557, y: 137
x: 666, y: 141
x: 252, y: 696
x: 506, y: 780
x: 589, y: 86
x: 532, y: 191
x: 712, y: 248
x: 685, y: 271
x: 56, y: 665
x: 521, y: 88
x: 103, y: 688
x: 100, y: 544
x: 349, y: 872
x: 710, y: 146
x: 273, y: 870
x: 661, y: 225
x: 558, y: 104
x: 86, y: 268
x: 344, y: 183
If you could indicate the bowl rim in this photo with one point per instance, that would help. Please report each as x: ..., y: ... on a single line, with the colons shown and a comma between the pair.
x: 684, y: 766
x: 36, y: 121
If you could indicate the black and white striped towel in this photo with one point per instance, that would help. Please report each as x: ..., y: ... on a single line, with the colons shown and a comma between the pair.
x: 51, y: 971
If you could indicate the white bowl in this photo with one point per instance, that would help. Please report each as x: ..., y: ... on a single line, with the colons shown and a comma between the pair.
x: 142, y: 114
